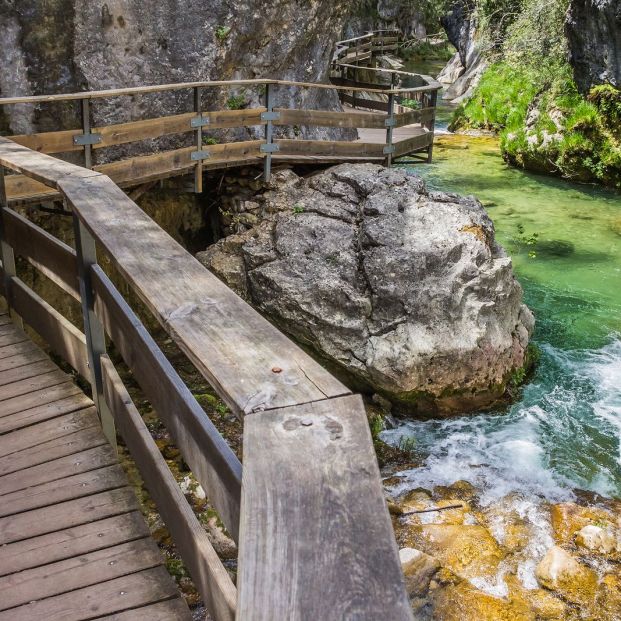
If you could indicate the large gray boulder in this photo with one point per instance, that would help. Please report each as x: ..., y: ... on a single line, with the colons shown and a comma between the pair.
x: 403, y: 288
x: 593, y: 30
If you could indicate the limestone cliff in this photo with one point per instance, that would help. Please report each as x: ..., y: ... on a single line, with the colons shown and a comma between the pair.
x: 67, y: 45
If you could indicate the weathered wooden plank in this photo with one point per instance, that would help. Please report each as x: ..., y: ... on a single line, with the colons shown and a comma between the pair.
x: 20, y: 188
x: 37, y: 398
x: 4, y: 319
x: 329, y: 147
x: 49, y: 255
x: 23, y: 348
x: 409, y: 145
x: 31, y: 384
x: 359, y: 83
x: 57, y: 469
x: 43, y: 168
x: 59, y: 333
x: 69, y: 488
x: 78, y: 572
x: 329, y: 118
x: 145, y: 168
x: 53, y: 449
x: 290, y: 504
x: 170, y: 610
x: 414, y: 116
x: 212, y: 461
x: 133, y: 90
x: 67, y: 514
x: 12, y: 338
x: 124, y: 593
x: 71, y: 542
x: 50, y: 142
x: 27, y: 371
x: 210, y: 576
x: 248, y: 361
x: 49, y: 430
x: 361, y: 102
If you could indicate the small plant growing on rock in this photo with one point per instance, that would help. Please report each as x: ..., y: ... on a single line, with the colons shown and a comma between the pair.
x: 236, y: 102
x: 414, y: 104
x: 222, y: 32
x: 298, y: 208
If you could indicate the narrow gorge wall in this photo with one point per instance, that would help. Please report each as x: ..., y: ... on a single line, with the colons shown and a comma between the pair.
x: 68, y: 45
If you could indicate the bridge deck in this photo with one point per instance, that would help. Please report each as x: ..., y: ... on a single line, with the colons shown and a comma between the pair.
x: 73, y: 544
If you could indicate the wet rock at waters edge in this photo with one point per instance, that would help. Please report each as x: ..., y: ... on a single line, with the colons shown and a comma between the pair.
x: 418, y: 569
x: 569, y: 519
x: 463, y: 602
x: 402, y: 288
x: 559, y: 571
x: 468, y: 551
x: 608, y: 603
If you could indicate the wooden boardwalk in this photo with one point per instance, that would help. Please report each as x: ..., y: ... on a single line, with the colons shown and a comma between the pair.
x: 73, y: 543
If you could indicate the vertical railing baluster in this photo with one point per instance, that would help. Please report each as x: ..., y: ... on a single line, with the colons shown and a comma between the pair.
x: 86, y: 129
x: 389, y: 149
x: 198, y: 108
x: 6, y: 251
x: 269, y: 116
x: 433, y: 101
x: 93, y: 328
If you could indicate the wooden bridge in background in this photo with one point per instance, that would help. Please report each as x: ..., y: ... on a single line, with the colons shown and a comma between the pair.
x: 307, y: 510
x: 387, y: 128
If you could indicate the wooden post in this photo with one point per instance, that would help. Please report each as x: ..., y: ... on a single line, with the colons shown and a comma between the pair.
x: 269, y: 146
x: 198, y: 170
x: 433, y: 100
x: 86, y: 128
x: 93, y: 329
x: 6, y: 251
x: 390, y: 123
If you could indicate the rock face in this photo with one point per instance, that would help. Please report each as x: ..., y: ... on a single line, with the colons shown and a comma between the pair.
x: 404, y: 15
x: 593, y: 30
x: 468, y: 65
x: 403, y: 288
x: 69, y: 45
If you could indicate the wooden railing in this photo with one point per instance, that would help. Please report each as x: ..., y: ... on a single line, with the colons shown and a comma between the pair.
x: 201, y: 155
x: 307, y: 510
x: 352, y: 66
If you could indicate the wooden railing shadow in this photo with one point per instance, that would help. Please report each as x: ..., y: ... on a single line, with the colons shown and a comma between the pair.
x: 307, y: 510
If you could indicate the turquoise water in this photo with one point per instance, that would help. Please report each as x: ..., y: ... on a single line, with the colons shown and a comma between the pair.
x: 564, y: 432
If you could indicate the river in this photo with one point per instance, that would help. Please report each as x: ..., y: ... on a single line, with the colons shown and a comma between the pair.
x: 563, y: 434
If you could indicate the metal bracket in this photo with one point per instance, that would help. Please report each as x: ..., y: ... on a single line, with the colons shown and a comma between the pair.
x: 199, y: 155
x: 391, y: 122
x: 389, y: 150
x: 85, y: 139
x: 269, y: 148
x: 199, y: 121
x: 270, y: 116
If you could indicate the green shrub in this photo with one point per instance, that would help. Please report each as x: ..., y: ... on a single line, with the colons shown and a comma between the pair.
x: 222, y: 32
x: 236, y: 102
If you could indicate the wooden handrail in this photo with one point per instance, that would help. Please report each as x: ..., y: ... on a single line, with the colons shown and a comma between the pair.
x: 310, y: 468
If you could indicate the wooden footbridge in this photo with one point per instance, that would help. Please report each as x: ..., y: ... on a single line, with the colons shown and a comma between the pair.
x: 307, y: 510
x: 392, y: 122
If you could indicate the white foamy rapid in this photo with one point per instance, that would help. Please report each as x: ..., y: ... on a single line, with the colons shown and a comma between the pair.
x: 564, y: 433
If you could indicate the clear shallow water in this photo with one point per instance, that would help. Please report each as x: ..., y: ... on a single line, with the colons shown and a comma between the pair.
x: 564, y: 432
